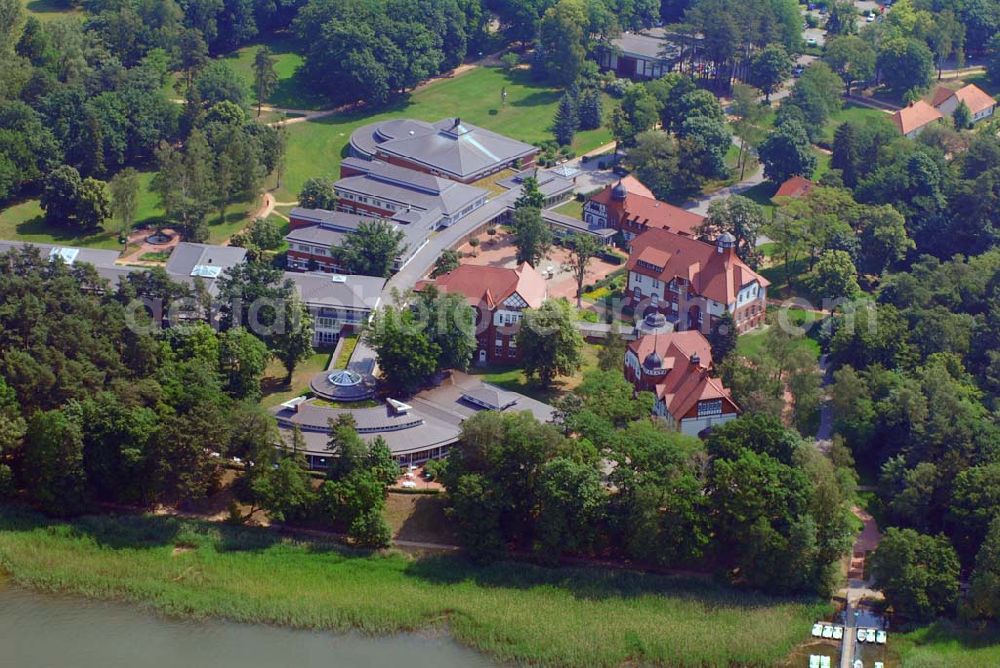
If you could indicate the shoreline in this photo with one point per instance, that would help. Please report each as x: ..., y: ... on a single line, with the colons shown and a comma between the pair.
x: 510, y: 612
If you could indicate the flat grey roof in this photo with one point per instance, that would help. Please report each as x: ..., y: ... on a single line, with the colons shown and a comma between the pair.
x: 187, y: 258
x: 97, y: 257
x: 337, y: 291
x: 450, y: 146
x: 409, y: 188
x: 549, y: 182
x: 331, y: 227
x: 575, y: 225
x: 316, y: 234
x: 652, y: 44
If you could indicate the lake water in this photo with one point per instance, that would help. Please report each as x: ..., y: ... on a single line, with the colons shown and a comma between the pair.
x: 43, y: 631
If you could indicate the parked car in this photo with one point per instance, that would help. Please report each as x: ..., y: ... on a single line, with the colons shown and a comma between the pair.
x: 811, y: 41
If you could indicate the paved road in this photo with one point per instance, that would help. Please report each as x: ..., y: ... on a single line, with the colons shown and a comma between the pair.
x: 363, y: 358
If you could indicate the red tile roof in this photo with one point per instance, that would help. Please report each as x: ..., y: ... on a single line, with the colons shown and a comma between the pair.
x: 632, y: 185
x: 655, y: 214
x: 797, y: 186
x: 717, y: 276
x: 642, y: 207
x: 975, y: 98
x: 915, y: 116
x: 685, y: 383
x: 941, y: 93
x: 492, y: 285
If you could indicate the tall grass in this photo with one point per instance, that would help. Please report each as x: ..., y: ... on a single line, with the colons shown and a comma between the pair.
x: 569, y: 617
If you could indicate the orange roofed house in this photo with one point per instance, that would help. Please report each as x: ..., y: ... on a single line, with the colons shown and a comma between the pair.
x: 676, y: 367
x: 912, y: 120
x: 795, y: 187
x: 979, y: 102
x: 630, y: 207
x: 692, y: 282
x: 499, y: 297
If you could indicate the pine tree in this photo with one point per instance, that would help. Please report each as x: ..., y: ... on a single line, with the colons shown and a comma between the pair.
x: 962, y: 117
x: 590, y: 111
x: 565, y: 123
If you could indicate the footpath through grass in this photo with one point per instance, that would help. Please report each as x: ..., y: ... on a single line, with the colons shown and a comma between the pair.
x: 315, y: 148
x: 516, y: 612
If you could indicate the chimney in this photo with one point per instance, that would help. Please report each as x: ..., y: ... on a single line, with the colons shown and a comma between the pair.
x: 458, y: 121
x: 695, y: 360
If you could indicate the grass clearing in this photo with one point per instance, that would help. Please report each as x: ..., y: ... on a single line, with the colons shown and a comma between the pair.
x: 47, y: 10
x: 946, y: 644
x: 291, y: 92
x: 850, y: 112
x: 573, y: 208
x: 274, y: 388
x: 25, y: 221
x: 514, y: 611
x: 315, y: 148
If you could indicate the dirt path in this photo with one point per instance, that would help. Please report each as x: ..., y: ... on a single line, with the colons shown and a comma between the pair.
x: 857, y: 586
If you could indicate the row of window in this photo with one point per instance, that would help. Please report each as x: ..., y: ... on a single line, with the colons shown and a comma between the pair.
x: 371, y: 201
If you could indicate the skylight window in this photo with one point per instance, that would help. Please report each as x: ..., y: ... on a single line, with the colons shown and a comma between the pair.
x: 206, y: 271
x: 67, y: 255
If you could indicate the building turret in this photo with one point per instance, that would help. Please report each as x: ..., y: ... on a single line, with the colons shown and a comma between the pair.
x: 726, y: 244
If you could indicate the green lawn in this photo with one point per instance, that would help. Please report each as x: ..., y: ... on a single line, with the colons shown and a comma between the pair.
x: 292, y: 92
x: 944, y: 644
x: 275, y: 389
x: 25, y: 222
x: 572, y: 208
x: 516, y: 612
x: 850, y: 112
x: 822, y: 163
x: 316, y: 147
x: 762, y: 194
x: 750, y: 344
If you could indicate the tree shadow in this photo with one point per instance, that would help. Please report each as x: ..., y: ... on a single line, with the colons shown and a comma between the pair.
x: 39, y: 227
x: 49, y: 7
x: 588, y: 583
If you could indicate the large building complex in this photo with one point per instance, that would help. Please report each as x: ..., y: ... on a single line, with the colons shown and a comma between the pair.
x: 629, y: 207
x: 499, y: 297
x: 377, y: 188
x: 316, y: 234
x: 449, y: 148
x: 692, y: 282
x: 676, y: 367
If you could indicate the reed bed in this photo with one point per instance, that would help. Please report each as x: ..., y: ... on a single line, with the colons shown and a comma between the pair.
x: 515, y: 612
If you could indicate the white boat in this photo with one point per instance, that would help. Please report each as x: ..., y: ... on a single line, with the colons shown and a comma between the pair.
x: 858, y: 663
x: 827, y: 631
x: 817, y: 630
x: 814, y: 661
x: 838, y: 632
x: 861, y: 635
x: 880, y: 637
x: 824, y: 662
x: 870, y: 635
x: 879, y: 664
